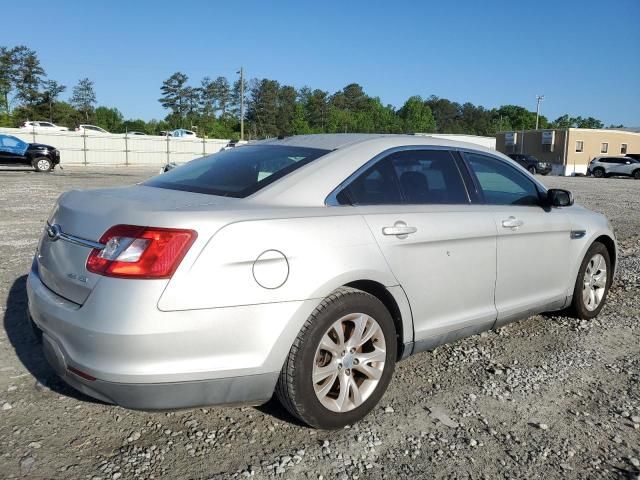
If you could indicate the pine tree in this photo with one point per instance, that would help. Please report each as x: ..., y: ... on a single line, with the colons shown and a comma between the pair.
x: 84, y: 97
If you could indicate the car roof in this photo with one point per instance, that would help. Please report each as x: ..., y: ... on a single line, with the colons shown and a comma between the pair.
x: 337, y: 141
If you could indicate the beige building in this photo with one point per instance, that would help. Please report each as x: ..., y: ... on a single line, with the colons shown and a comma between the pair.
x: 569, y: 149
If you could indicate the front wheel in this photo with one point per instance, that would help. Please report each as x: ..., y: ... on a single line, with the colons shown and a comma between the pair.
x: 593, y: 282
x: 532, y: 170
x: 42, y: 164
x: 636, y: 174
x: 341, y: 362
x: 598, y: 173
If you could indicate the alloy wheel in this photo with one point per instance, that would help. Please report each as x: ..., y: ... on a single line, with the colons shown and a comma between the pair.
x: 349, y: 362
x: 44, y: 165
x: 595, y: 282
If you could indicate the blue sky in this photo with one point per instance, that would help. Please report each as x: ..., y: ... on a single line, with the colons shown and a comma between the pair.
x: 583, y: 55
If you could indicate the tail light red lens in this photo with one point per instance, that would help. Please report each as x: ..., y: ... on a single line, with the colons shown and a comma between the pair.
x: 140, y: 252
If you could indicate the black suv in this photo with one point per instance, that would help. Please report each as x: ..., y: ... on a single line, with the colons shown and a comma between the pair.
x: 531, y: 163
x: 15, y: 152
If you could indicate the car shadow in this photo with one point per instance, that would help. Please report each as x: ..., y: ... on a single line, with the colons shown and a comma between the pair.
x: 28, y: 348
x: 273, y: 408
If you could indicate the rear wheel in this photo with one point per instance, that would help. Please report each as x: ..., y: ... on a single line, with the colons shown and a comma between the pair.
x: 598, y: 172
x: 341, y: 362
x: 42, y: 164
x: 593, y: 282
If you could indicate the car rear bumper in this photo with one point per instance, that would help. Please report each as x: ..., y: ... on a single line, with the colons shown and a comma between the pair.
x: 250, y: 389
x: 210, y: 357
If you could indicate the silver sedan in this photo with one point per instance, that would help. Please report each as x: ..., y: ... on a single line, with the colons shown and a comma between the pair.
x: 306, y: 266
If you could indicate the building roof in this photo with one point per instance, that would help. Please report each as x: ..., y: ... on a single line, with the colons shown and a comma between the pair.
x: 625, y: 131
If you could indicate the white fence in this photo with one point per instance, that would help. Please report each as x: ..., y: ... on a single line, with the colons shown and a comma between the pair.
x: 77, y: 148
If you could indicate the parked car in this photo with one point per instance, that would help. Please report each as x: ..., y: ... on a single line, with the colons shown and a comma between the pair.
x: 614, y: 166
x: 531, y: 163
x: 181, y: 133
x: 307, y: 266
x: 43, y: 127
x: 91, y: 130
x: 234, y: 144
x: 168, y: 166
x: 16, y: 152
x: 136, y: 134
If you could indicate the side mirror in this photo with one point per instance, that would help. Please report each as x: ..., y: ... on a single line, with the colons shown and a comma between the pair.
x: 628, y: 162
x: 558, y: 197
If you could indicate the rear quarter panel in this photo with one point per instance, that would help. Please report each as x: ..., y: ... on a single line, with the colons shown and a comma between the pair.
x: 322, y: 253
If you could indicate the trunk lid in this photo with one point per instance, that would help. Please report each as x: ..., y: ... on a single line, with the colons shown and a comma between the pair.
x: 85, y: 215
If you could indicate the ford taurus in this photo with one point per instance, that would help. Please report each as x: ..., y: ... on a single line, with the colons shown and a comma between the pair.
x: 305, y: 266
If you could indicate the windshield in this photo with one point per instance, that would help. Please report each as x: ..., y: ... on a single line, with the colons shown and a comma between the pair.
x: 238, y: 172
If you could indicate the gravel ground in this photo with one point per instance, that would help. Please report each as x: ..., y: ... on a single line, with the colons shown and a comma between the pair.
x: 548, y: 397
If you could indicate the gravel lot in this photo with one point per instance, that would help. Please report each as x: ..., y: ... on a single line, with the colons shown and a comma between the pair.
x: 548, y: 397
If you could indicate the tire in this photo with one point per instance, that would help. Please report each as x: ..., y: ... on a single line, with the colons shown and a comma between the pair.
x: 579, y: 306
x: 636, y: 174
x: 598, y: 173
x: 532, y: 170
x: 296, y: 389
x: 42, y: 164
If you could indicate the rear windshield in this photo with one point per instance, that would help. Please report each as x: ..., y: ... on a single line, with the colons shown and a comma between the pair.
x: 238, y: 172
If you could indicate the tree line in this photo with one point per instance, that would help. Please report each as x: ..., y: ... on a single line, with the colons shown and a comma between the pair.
x: 213, y: 107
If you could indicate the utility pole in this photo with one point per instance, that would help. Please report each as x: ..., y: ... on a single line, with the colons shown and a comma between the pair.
x: 241, y: 72
x: 539, y: 98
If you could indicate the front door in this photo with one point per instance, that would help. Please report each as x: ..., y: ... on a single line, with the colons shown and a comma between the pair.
x: 533, y: 242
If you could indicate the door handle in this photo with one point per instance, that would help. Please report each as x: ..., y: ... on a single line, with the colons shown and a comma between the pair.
x: 399, y: 229
x: 512, y: 222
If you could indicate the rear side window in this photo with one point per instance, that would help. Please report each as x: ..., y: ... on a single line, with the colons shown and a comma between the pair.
x: 411, y: 177
x: 500, y: 183
x: 428, y: 177
x: 376, y: 186
x: 238, y: 172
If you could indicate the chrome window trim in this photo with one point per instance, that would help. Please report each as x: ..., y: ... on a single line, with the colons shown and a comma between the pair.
x: 332, y: 200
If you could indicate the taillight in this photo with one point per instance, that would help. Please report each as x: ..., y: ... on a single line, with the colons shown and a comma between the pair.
x: 140, y: 252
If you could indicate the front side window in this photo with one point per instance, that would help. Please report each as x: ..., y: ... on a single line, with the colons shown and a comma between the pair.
x: 604, y: 148
x: 623, y: 148
x: 502, y: 184
x: 238, y: 172
x: 579, y: 146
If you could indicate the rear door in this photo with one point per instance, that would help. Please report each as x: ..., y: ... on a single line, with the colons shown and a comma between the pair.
x: 441, y: 249
x: 532, y: 243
